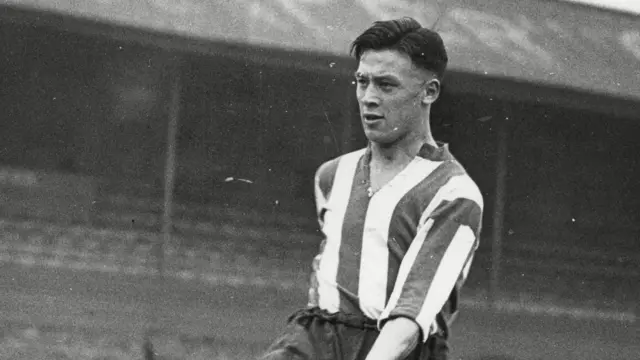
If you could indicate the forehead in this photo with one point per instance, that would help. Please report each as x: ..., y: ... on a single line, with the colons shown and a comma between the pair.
x: 386, y: 62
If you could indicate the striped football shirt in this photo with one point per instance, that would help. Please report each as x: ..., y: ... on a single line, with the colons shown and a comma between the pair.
x: 402, y: 251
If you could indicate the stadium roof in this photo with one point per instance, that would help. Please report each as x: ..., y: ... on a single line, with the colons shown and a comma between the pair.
x: 628, y: 6
x: 549, y: 42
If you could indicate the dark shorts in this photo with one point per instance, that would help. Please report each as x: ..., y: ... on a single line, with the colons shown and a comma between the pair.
x: 314, y: 334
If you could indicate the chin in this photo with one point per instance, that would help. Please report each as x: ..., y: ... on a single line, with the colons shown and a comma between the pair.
x: 379, y: 137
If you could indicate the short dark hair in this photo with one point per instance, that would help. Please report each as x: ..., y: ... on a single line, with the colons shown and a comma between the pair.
x: 424, y: 46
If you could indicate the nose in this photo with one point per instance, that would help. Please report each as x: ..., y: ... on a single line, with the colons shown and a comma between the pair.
x: 369, y: 97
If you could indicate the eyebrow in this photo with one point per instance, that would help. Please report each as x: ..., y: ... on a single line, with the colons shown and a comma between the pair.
x: 380, y: 77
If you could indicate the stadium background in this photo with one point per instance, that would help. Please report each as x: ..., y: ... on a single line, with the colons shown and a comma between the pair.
x: 87, y: 106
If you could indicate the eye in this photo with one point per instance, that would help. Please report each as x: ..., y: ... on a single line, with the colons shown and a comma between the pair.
x: 386, y: 86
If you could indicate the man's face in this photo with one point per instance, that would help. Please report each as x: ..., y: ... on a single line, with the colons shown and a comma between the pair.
x: 392, y: 94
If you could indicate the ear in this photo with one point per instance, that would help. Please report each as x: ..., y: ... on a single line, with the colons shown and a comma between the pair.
x: 431, y: 92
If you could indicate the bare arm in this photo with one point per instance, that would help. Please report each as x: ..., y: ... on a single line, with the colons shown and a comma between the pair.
x: 398, y: 338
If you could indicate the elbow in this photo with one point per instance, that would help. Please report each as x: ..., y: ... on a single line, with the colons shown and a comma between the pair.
x: 407, y: 330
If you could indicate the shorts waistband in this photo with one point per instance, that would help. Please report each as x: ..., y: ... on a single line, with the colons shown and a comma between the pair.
x: 350, y: 320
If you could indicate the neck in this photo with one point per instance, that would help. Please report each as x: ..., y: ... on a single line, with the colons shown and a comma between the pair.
x: 401, y: 151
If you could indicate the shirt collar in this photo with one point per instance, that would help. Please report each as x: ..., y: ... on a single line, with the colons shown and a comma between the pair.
x: 435, y: 153
x: 427, y: 151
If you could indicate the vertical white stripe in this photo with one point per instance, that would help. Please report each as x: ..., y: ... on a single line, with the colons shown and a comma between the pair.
x: 320, y: 199
x: 336, y: 207
x: 461, y: 186
x: 467, y: 267
x: 405, y: 267
x: 320, y: 203
x: 372, y: 287
x: 447, y: 274
x: 409, y: 259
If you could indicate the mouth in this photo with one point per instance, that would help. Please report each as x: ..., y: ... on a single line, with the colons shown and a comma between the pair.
x: 371, y: 118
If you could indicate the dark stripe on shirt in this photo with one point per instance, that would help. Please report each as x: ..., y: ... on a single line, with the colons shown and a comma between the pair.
x: 352, y: 234
x: 465, y: 212
x: 406, y: 216
x: 447, y: 219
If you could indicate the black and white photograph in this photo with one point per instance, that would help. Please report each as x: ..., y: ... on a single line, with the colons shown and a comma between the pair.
x: 319, y: 179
